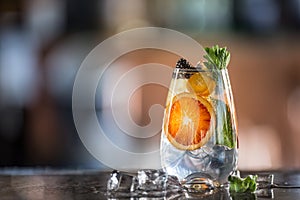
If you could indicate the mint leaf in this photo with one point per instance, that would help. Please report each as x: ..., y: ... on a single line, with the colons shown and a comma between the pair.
x: 240, y: 185
x: 225, y: 132
x: 217, y: 58
x: 227, y: 129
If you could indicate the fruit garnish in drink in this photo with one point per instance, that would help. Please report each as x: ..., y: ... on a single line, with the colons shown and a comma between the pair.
x: 183, y: 64
x: 216, y: 59
x: 190, y: 120
x: 201, y: 84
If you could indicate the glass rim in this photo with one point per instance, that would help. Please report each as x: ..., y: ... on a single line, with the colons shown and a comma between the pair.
x: 196, y: 69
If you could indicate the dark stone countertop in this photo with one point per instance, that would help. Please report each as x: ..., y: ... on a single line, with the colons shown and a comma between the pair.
x: 91, y: 184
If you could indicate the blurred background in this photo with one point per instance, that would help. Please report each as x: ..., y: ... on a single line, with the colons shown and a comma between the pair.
x: 43, y: 42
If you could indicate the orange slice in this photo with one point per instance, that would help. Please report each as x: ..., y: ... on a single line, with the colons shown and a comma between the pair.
x: 189, y: 123
x: 201, y: 84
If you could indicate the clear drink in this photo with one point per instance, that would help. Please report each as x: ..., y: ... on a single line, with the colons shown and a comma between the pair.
x: 199, y: 134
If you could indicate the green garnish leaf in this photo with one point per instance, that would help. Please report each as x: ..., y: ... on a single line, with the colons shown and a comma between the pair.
x: 227, y: 129
x: 225, y: 132
x: 240, y: 185
x: 217, y: 58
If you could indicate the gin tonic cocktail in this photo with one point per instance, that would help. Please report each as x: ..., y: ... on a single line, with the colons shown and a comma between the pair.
x: 199, y: 134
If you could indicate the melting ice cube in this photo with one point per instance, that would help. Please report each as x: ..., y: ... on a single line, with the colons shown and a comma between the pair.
x: 119, y: 182
x: 154, y: 183
x: 149, y: 180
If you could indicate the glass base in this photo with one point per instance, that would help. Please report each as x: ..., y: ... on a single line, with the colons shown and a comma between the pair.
x: 199, y: 183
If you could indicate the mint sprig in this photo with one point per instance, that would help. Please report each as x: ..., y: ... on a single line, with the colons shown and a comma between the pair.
x: 225, y: 130
x: 217, y: 58
x: 240, y: 185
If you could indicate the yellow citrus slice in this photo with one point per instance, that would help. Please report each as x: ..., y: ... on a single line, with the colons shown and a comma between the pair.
x: 201, y: 84
x: 190, y: 119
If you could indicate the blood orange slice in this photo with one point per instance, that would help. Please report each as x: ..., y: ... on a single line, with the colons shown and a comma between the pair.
x: 189, y: 123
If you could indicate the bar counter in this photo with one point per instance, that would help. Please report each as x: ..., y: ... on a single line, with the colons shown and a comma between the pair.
x: 91, y: 184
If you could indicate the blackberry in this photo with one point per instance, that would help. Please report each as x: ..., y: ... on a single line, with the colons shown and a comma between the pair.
x: 183, y: 64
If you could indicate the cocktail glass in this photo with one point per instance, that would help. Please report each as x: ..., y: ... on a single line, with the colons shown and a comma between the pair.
x: 199, y: 134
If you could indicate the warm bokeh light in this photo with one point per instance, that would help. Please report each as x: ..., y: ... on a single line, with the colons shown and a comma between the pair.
x: 42, y: 44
